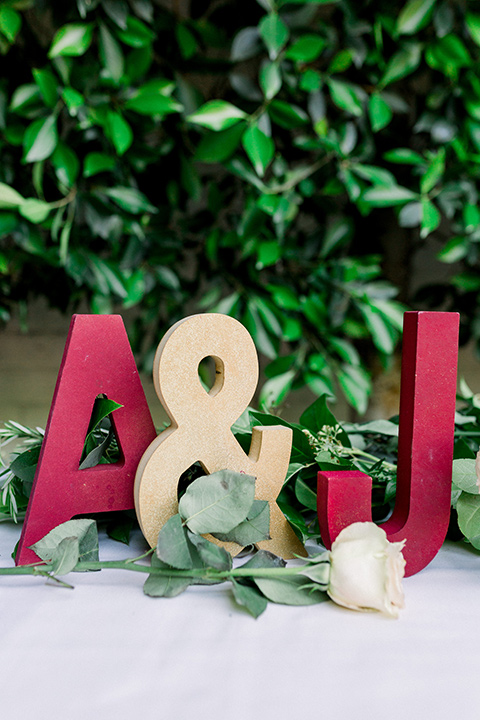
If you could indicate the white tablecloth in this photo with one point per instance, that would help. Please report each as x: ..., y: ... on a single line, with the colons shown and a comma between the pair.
x: 104, y: 650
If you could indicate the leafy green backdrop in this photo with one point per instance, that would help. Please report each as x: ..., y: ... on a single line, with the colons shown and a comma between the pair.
x: 278, y: 161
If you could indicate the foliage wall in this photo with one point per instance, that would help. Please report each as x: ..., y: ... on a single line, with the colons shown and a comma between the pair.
x: 278, y: 161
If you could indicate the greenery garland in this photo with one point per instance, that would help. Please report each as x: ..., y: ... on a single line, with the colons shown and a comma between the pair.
x: 320, y: 442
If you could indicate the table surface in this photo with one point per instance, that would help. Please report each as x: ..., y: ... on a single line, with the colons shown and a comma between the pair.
x: 106, y: 650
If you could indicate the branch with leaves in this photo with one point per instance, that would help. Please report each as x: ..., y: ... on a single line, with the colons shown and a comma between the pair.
x: 223, y: 504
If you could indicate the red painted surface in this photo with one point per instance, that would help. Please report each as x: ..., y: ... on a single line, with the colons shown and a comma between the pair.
x: 97, y: 359
x: 425, y: 448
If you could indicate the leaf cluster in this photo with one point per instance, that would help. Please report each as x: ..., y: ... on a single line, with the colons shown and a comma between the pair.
x: 218, y: 503
x: 319, y: 442
x: 250, y: 161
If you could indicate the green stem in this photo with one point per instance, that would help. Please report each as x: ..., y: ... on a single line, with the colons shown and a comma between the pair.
x: 361, y: 453
x: 209, y: 573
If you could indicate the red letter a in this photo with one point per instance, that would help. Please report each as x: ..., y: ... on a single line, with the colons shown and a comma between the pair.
x: 97, y: 359
x: 425, y: 448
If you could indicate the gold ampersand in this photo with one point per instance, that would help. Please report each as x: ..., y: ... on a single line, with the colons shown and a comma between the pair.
x: 200, y: 426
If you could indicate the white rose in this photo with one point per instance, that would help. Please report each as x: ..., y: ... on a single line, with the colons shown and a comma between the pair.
x: 366, y: 570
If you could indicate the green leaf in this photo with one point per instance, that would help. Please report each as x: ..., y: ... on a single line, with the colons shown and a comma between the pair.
x: 434, y: 172
x: 270, y: 79
x: 217, y: 115
x: 306, y: 49
x: 71, y: 40
x: 255, y: 326
x: 24, y: 466
x: 268, y: 253
x: 276, y: 389
x: 268, y: 316
x: 97, y: 162
x: 472, y: 21
x: 249, y: 598
x: 259, y: 147
x: 471, y: 217
x: 117, y: 10
x: 317, y: 415
x: 40, y: 139
x: 414, y: 16
x: 186, y: 41
x: 318, y: 570
x: 246, y: 44
x: 274, y: 33
x: 410, y: 215
x: 85, y: 530
x: 9, y: 198
x: 66, y: 164
x: 218, y: 502
x: 388, y: 196
x: 119, y: 132
x: 448, y: 55
x: 464, y: 475
x: 173, y: 546
x: 320, y: 383
x: 346, y: 97
x: 111, y: 54
x: 311, y: 81
x: 376, y: 175
x: 341, y: 61
x: 121, y: 529
x: 210, y: 554
x: 430, y: 218
x: 164, y: 585
x: 92, y: 452
x: 130, y: 199
x: 468, y: 510
x: 48, y: 86
x: 34, y: 210
x: 305, y: 495
x: 356, y: 386
x: 380, y: 331
x: 136, y: 34
x: 287, y: 115
x: 136, y: 287
x: 284, y: 297
x: 296, y: 590
x: 24, y: 98
x: 218, y: 146
x: 379, y: 112
x: 10, y: 22
x: 454, y: 250
x: 65, y: 556
x: 108, y: 276
x: 404, y: 156
x: 252, y: 530
x: 467, y: 281
x: 152, y: 99
x: 404, y: 62
x: 382, y: 427
x: 73, y: 100
x: 264, y: 559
